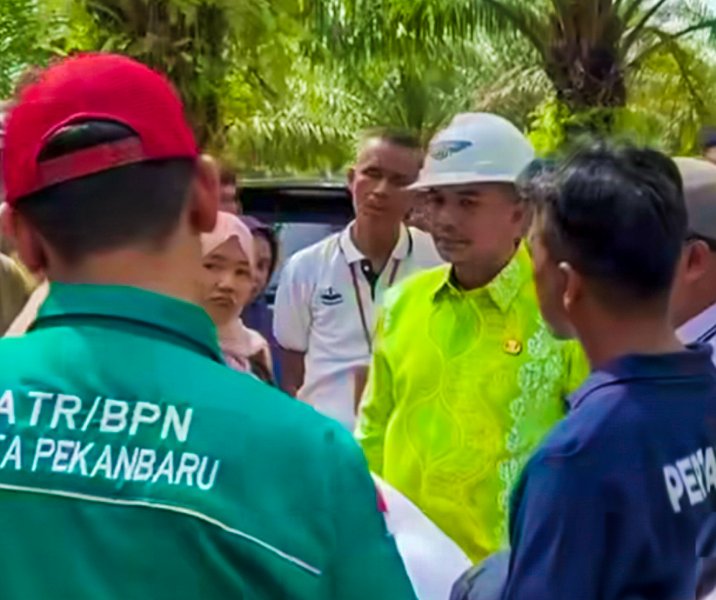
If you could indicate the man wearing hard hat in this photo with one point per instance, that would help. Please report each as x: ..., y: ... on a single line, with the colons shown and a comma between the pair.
x: 466, y: 378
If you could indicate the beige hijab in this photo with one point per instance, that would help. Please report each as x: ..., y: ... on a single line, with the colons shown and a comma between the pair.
x: 28, y: 314
x: 238, y: 342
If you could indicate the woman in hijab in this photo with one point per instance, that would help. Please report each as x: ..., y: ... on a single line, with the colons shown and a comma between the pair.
x: 257, y: 314
x: 227, y: 286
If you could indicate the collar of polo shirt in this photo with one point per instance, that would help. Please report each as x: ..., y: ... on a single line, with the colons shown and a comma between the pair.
x: 694, y: 328
x: 503, y: 289
x: 353, y: 255
x: 177, y: 318
x: 675, y: 364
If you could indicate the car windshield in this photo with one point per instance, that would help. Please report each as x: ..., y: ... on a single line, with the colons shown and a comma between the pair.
x: 300, y: 215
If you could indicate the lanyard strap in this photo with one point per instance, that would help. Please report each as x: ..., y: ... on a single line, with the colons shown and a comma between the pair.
x: 359, y: 300
x: 356, y: 288
x: 708, y: 335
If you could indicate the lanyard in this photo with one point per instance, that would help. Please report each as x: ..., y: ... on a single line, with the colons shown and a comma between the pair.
x: 707, y: 336
x: 356, y: 289
x: 359, y: 300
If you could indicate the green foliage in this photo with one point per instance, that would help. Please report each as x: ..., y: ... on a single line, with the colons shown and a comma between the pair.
x: 548, y: 127
x: 590, y: 53
x: 188, y: 39
x: 668, y: 104
x: 24, y: 28
x: 308, y: 129
x: 285, y: 86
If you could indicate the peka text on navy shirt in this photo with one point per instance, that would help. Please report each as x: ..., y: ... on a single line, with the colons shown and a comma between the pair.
x: 610, y: 506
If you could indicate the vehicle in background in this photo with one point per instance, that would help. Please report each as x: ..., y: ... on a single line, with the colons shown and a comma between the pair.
x: 302, y: 212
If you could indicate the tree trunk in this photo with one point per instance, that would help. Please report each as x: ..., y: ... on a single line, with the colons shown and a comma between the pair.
x: 191, y: 52
x: 590, y: 83
x: 212, y: 31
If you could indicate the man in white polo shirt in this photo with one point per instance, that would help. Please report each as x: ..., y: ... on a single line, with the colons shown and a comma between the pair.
x: 324, y: 314
x: 694, y: 306
x: 694, y: 299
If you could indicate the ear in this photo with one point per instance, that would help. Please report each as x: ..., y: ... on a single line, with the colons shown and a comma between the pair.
x: 528, y: 214
x: 28, y: 242
x: 521, y: 218
x: 351, y: 176
x: 573, y: 286
x: 205, y: 195
x: 695, y: 261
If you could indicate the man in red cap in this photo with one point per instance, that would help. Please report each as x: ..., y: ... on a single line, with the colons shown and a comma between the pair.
x: 133, y: 463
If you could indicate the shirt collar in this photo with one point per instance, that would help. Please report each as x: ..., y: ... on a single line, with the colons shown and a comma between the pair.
x: 504, y: 288
x: 353, y: 255
x: 175, y: 317
x: 694, y: 328
x: 692, y: 362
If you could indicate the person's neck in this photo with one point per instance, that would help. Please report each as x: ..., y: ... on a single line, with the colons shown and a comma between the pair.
x: 697, y: 306
x: 605, y: 339
x: 375, y: 240
x: 229, y: 327
x: 172, y: 273
x: 471, y: 275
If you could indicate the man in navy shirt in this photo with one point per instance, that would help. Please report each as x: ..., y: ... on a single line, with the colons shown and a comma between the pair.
x: 611, y: 504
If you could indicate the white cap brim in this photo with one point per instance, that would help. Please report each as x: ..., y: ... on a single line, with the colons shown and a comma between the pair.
x: 433, y: 180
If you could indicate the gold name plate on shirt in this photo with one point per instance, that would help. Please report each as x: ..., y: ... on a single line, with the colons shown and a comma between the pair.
x: 513, y: 347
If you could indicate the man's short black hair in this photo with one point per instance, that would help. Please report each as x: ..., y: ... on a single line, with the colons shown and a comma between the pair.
x: 536, y: 181
x: 617, y: 215
x: 135, y: 204
x: 397, y: 137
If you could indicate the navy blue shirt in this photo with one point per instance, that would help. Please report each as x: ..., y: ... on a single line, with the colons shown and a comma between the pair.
x: 611, y: 504
x: 258, y: 316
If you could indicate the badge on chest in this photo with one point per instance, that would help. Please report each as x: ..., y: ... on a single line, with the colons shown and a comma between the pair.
x: 513, y: 347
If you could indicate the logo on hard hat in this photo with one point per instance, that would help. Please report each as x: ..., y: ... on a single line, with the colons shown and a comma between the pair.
x: 442, y: 150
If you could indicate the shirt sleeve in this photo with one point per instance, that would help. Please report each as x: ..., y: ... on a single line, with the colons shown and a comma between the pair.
x: 557, y: 531
x: 292, y: 308
x: 366, y: 562
x: 377, y: 404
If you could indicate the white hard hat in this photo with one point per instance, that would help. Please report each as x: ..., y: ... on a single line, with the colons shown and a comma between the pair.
x: 475, y: 148
x: 699, y: 182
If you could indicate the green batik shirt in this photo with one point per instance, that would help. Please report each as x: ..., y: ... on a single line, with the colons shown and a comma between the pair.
x: 463, y: 386
x: 134, y: 464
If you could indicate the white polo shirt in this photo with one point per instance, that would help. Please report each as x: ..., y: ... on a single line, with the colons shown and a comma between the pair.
x: 325, y: 307
x: 701, y: 328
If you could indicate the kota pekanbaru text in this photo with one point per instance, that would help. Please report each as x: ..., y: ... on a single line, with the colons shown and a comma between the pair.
x: 56, y: 426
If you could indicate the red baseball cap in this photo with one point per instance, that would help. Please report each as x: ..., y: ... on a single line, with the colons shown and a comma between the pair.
x: 92, y: 87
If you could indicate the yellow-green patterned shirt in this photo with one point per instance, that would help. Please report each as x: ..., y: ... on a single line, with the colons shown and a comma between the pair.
x: 463, y: 386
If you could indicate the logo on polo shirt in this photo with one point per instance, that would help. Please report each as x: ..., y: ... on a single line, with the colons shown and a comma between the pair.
x: 331, y: 297
x: 692, y: 479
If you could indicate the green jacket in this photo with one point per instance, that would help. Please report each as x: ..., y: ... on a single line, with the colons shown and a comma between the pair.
x: 134, y: 464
